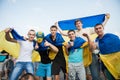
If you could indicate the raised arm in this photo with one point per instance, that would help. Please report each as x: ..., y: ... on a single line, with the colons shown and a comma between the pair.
x: 7, y: 35
x: 107, y: 16
x: 60, y: 30
x: 91, y: 43
x: 52, y: 47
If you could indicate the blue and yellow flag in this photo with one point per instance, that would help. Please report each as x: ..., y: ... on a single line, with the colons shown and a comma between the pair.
x: 110, y: 43
x: 14, y: 48
x: 58, y: 41
x: 78, y: 42
x: 109, y: 47
x: 89, y: 21
x: 10, y: 47
x: 112, y: 62
x: 16, y: 36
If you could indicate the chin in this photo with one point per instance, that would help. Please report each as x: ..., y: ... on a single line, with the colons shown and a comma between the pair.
x: 31, y: 39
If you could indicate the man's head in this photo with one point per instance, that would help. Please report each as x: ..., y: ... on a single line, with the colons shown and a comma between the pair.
x: 31, y: 34
x: 71, y: 34
x: 99, y: 29
x: 53, y: 30
x: 78, y: 24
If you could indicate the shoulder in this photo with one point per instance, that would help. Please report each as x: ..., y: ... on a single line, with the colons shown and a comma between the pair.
x: 110, y: 35
x: 58, y: 34
x: 89, y: 28
x: 47, y: 36
x: 79, y: 39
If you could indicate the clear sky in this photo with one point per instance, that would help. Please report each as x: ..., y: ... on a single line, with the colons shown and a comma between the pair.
x: 41, y: 14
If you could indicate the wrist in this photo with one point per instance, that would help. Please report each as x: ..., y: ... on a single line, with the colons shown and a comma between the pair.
x: 49, y: 45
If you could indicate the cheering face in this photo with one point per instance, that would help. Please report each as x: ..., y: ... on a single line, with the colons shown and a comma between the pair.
x: 31, y: 35
x: 71, y: 35
x: 99, y: 30
x: 53, y: 31
x: 79, y: 25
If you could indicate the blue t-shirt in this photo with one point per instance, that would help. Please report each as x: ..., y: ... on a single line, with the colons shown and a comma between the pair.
x: 76, y: 56
x: 75, y: 52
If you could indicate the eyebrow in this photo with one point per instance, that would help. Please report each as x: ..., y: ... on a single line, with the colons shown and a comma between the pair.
x: 31, y: 34
x: 70, y: 33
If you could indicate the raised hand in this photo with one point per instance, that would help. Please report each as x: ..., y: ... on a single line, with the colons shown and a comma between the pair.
x: 84, y: 34
x: 47, y: 43
x: 36, y: 46
x: 107, y: 15
x: 7, y: 29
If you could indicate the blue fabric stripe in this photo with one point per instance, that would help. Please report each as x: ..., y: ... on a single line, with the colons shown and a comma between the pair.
x: 58, y: 42
x: 16, y: 36
x: 90, y: 21
x: 42, y: 47
x: 110, y: 43
x: 78, y: 42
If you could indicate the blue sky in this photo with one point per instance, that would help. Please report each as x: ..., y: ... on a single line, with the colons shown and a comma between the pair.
x: 41, y: 14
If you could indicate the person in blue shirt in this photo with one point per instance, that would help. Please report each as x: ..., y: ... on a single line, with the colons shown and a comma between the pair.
x: 75, y: 59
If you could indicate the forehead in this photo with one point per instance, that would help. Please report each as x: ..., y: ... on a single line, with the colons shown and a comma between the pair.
x: 31, y: 32
x: 78, y: 22
x: 53, y: 28
x: 98, y: 26
x: 71, y: 32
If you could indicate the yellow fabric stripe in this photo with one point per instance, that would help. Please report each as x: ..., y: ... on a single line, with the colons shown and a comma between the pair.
x: 112, y: 62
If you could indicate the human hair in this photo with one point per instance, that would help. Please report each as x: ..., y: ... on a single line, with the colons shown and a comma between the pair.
x: 32, y: 30
x: 27, y: 76
x: 53, y: 26
x: 70, y: 31
x: 77, y: 20
x: 98, y: 24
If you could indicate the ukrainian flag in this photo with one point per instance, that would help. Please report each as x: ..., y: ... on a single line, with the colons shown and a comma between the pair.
x: 109, y: 47
x: 89, y: 21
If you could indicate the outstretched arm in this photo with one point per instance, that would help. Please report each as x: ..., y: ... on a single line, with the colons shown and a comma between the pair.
x: 7, y: 35
x: 52, y: 47
x: 60, y: 30
x: 107, y: 16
